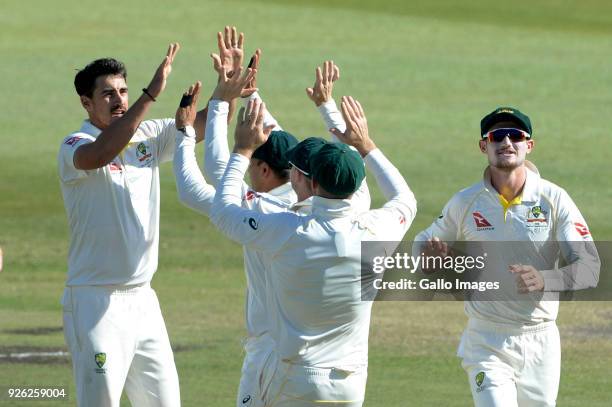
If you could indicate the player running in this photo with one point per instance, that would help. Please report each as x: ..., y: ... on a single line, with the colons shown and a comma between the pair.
x: 511, y: 348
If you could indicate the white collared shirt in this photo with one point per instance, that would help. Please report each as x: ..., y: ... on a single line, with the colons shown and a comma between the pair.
x: 544, y: 215
x: 280, y: 199
x: 113, y: 211
x: 319, y: 318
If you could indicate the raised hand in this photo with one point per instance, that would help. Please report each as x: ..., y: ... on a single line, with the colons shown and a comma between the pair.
x: 229, y: 88
x: 158, y: 83
x: 356, y: 133
x: 231, y: 51
x: 321, y: 91
x: 187, y: 110
x: 250, y: 131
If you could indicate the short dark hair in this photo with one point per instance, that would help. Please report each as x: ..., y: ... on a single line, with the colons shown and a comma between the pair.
x: 85, y: 79
x: 282, y: 173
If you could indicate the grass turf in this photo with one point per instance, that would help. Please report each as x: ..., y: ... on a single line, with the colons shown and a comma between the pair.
x: 426, y: 72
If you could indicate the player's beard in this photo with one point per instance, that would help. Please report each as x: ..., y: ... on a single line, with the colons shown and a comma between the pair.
x: 499, y: 161
x: 506, y: 165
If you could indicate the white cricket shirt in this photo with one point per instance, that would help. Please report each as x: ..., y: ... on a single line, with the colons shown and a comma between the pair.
x: 280, y: 199
x: 545, y: 215
x: 318, y: 316
x: 113, y: 211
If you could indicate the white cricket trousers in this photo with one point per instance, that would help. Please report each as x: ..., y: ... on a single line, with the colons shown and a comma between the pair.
x: 257, y: 352
x: 292, y: 385
x: 512, y: 366
x: 117, y: 337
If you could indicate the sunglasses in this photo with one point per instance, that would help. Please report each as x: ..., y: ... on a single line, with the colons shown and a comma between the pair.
x: 515, y: 135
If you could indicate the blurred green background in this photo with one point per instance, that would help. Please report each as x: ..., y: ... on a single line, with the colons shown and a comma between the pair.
x: 425, y: 72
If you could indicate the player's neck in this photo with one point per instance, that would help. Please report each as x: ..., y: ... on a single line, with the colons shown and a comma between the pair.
x: 508, y: 183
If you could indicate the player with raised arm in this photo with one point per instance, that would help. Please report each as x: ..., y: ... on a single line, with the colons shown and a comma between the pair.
x: 109, y: 176
x: 270, y: 174
x: 319, y: 322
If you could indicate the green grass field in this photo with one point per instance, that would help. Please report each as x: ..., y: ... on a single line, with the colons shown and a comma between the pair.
x: 425, y: 72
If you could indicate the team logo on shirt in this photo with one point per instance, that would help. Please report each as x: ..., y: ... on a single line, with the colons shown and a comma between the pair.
x: 143, y: 154
x: 481, y: 222
x: 537, y: 215
x: 537, y: 219
x: 100, y: 359
x: 582, y: 229
x: 247, y: 400
x: 479, y: 381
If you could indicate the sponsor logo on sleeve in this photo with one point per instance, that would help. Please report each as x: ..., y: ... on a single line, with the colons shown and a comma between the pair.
x: 481, y: 222
x: 582, y: 229
x: 71, y: 141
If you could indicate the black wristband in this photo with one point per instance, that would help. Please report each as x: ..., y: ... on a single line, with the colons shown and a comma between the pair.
x: 146, y: 92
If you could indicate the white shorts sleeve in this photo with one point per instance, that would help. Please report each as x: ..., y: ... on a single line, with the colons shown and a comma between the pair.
x: 65, y: 159
x: 164, y: 131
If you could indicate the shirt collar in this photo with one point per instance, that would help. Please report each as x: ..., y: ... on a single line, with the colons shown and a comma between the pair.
x: 330, y: 208
x: 530, y: 189
x: 90, y: 129
x: 280, y: 190
x: 306, y: 203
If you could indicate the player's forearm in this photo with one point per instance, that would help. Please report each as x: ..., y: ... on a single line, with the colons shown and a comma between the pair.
x: 332, y: 117
x: 113, y: 139
x: 392, y: 184
x: 200, y: 124
x: 226, y: 208
x: 581, y: 273
x: 216, y: 149
x: 193, y: 191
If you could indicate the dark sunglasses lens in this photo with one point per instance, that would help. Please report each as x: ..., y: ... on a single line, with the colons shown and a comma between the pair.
x: 500, y: 134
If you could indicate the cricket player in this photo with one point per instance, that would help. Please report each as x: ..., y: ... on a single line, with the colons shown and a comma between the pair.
x: 272, y: 192
x: 511, y: 346
x: 274, y: 184
x: 109, y: 176
x: 319, y: 322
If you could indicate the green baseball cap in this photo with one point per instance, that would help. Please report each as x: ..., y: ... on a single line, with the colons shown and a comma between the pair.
x: 337, y: 168
x: 505, y: 114
x: 301, y: 154
x: 274, y: 151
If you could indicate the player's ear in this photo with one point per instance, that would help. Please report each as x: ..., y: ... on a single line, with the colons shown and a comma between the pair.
x: 482, y: 144
x: 530, y: 145
x: 86, y: 103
